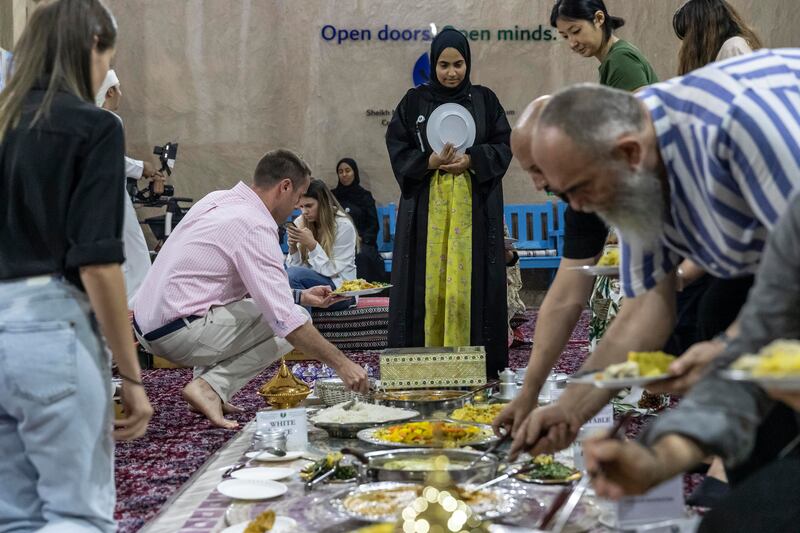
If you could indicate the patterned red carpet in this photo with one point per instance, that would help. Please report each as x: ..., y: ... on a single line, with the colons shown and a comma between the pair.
x: 178, y: 441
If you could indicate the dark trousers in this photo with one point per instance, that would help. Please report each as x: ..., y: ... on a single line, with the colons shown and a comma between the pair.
x: 370, y: 265
x: 706, y: 308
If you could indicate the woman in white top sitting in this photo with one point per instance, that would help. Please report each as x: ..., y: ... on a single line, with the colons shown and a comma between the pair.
x: 322, y: 243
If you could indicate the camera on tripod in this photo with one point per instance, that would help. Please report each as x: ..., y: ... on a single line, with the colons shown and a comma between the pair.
x: 167, y: 155
x: 152, y: 195
x: 158, y: 194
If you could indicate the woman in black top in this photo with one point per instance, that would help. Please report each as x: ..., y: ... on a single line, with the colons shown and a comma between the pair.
x: 61, y: 193
x: 477, y: 175
x: 360, y: 205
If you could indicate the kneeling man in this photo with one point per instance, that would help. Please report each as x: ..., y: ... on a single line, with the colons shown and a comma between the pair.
x: 218, y: 298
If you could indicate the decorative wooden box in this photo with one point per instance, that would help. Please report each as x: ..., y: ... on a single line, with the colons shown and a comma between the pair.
x: 423, y: 368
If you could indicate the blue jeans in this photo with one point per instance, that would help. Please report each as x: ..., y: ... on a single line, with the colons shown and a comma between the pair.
x: 56, y: 450
x: 305, y: 278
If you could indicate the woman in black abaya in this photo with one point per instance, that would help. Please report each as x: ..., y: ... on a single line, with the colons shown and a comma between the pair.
x: 448, y: 262
x: 360, y: 205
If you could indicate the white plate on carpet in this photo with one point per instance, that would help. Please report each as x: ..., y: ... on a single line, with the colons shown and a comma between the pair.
x: 249, y: 489
x: 264, y: 473
x: 266, y: 457
x: 451, y: 123
x: 283, y: 524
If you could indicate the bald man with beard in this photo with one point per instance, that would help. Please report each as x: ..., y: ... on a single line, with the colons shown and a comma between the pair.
x: 584, y: 238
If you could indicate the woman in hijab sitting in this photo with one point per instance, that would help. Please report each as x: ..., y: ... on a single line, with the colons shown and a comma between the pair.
x: 449, y: 278
x: 360, y: 205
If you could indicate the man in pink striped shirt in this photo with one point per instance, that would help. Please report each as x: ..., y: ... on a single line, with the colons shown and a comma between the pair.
x: 217, y: 297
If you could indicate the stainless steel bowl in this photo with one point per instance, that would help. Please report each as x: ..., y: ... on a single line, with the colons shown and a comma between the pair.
x: 426, y: 401
x: 375, y: 466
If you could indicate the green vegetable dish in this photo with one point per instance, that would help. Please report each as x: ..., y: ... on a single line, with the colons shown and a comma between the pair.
x: 332, y: 460
x: 547, y: 470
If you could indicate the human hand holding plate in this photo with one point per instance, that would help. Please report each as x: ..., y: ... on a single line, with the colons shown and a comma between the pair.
x: 436, y: 160
x: 320, y: 296
x: 459, y: 165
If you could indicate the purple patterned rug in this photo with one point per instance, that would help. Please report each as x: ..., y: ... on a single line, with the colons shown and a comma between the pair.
x: 178, y: 442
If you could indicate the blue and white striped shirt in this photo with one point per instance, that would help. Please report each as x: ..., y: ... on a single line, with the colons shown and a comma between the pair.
x: 729, y: 136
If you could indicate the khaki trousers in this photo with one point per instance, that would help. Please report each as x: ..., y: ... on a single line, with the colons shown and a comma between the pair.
x: 227, y: 347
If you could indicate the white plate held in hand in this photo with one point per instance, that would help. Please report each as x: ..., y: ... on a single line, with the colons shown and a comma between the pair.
x: 364, y: 292
x: 248, y: 489
x: 779, y: 383
x: 617, y: 383
x: 596, y: 270
x: 451, y: 123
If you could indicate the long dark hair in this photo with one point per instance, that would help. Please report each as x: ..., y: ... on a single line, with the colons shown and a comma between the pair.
x: 585, y: 10
x: 703, y: 26
x: 55, y: 50
x: 324, y: 229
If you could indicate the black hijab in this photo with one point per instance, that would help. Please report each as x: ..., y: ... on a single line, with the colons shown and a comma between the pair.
x: 352, y: 192
x: 449, y: 37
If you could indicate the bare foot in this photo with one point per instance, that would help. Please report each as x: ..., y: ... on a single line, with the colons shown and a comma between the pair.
x: 202, y: 397
x: 227, y: 408
x: 230, y: 409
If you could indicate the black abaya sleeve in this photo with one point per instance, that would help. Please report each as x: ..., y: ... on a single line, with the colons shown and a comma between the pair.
x: 490, y: 160
x: 409, y: 162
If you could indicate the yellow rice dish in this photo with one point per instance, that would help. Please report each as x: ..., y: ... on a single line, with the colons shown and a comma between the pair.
x: 778, y: 359
x: 482, y: 414
x: 651, y: 363
x: 379, y: 528
x: 358, y: 285
x: 262, y: 523
x: 639, y: 364
x: 442, y: 434
x: 610, y: 257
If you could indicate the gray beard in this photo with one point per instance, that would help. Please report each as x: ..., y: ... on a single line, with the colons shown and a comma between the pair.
x: 638, y: 211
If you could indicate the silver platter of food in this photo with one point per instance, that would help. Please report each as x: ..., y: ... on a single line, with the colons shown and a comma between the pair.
x: 426, y: 401
x: 350, y: 430
x: 346, y: 419
x: 429, y: 433
x: 384, y: 501
x: 417, y: 465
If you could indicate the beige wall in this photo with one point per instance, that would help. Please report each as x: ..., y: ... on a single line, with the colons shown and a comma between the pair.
x: 230, y: 79
x: 13, y: 15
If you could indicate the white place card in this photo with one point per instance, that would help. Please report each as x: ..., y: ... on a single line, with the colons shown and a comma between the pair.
x: 664, y: 502
x: 603, y: 419
x: 599, y: 424
x: 292, y: 420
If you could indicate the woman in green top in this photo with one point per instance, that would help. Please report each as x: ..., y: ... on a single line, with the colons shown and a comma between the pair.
x: 589, y: 30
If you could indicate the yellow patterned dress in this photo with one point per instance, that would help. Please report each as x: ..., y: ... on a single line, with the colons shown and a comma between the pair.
x: 448, y: 264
